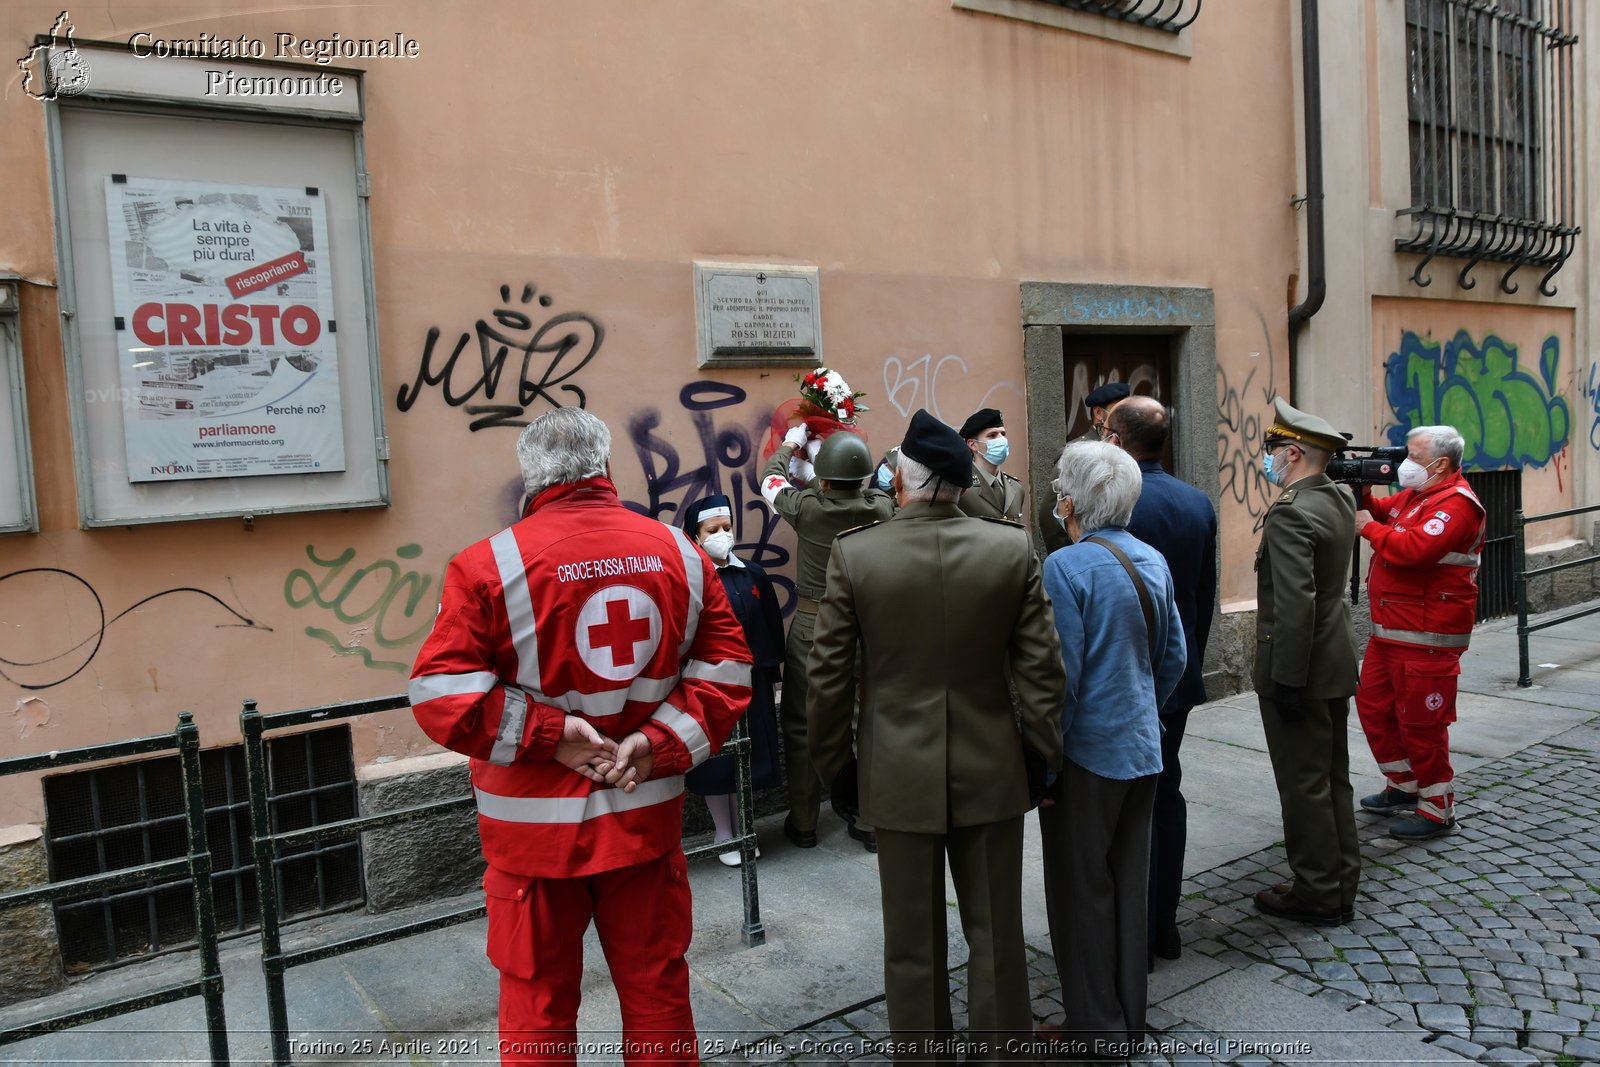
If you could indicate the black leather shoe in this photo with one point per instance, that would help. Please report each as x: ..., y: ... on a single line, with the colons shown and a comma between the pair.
x: 1391, y: 801
x: 800, y: 838
x: 868, y: 839
x: 1289, y: 906
x: 1168, y: 943
x: 1283, y: 889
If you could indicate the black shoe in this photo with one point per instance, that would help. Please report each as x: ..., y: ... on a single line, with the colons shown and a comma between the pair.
x: 1289, y: 906
x: 1389, y: 802
x: 1420, y: 828
x: 801, y: 838
x: 1168, y: 943
x: 868, y: 839
x: 1348, y: 915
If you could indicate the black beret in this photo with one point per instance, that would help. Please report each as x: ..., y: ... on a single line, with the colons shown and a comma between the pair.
x: 980, y: 421
x: 692, y: 513
x: 1106, y: 395
x: 939, y: 448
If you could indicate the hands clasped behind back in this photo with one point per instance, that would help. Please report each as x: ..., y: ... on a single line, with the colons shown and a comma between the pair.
x: 598, y: 758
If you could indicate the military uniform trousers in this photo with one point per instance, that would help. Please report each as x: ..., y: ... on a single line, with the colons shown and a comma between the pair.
x: 1096, y: 840
x: 806, y: 787
x: 986, y: 867
x: 1311, y: 762
x: 1407, y: 702
x: 645, y: 918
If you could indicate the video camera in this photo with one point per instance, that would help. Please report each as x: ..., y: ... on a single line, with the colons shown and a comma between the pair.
x: 1378, y: 467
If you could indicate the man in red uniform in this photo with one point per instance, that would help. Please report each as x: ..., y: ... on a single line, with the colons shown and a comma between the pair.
x: 1423, y: 593
x: 584, y: 658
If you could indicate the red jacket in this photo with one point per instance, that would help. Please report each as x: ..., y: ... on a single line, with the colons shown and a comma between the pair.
x: 583, y: 607
x: 1423, y: 584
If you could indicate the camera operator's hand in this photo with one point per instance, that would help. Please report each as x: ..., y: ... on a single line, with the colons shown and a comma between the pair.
x: 1362, y: 518
x: 1287, y: 700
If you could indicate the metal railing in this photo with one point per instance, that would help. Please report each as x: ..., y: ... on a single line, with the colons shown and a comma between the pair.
x: 275, y: 961
x: 1524, y: 678
x: 196, y: 865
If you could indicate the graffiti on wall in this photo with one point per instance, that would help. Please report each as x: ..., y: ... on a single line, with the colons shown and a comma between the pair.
x: 387, y: 600
x: 78, y: 599
x: 1244, y: 410
x: 551, y: 354
x: 1591, y: 393
x: 913, y: 384
x: 721, y: 454
x: 1510, y: 416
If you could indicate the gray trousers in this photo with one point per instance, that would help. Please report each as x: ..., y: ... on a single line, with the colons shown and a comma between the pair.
x: 1311, y: 762
x: 986, y: 867
x: 1096, y: 841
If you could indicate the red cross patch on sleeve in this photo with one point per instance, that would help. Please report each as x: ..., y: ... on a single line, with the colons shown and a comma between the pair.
x: 1433, y: 527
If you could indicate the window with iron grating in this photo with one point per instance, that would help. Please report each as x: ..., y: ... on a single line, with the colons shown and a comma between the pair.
x: 110, y: 818
x: 1489, y: 90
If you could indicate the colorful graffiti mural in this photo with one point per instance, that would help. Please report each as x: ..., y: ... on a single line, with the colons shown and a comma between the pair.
x: 1511, y: 416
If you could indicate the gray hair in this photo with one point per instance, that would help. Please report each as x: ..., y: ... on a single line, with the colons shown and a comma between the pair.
x: 562, y: 446
x: 1442, y: 441
x: 918, y: 482
x: 1102, y: 480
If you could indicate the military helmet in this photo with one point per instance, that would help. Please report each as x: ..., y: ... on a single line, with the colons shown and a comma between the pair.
x: 844, y: 457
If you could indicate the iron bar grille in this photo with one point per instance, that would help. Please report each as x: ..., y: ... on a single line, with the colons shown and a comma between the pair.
x: 1491, y: 125
x: 1169, y: 15
x: 129, y: 814
x: 1500, y: 492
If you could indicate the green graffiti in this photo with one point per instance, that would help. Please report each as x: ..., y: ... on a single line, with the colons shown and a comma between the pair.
x: 383, y: 593
x: 1510, y: 416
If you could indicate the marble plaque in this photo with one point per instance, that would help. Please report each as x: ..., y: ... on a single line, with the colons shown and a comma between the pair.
x: 757, y: 315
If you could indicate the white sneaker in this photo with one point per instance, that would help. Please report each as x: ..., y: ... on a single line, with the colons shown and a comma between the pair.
x: 733, y: 859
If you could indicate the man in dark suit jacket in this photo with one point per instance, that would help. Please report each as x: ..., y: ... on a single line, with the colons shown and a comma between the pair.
x: 1177, y: 520
x: 1305, y: 671
x: 944, y: 607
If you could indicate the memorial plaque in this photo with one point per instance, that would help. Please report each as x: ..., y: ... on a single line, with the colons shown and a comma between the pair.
x: 755, y: 315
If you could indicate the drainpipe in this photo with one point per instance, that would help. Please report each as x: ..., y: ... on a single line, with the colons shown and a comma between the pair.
x: 1316, y: 257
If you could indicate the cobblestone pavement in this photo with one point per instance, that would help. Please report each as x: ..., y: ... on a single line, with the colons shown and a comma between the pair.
x: 1485, y: 943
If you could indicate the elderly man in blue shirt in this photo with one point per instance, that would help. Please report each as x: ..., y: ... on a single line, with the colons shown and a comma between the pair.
x: 1123, y: 647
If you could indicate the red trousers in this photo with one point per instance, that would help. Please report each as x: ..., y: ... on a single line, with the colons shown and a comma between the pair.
x: 645, y: 919
x: 1407, y: 702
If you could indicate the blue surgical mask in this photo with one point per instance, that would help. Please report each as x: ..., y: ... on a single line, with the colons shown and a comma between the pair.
x: 997, y: 450
x: 1273, y: 472
x: 885, y: 477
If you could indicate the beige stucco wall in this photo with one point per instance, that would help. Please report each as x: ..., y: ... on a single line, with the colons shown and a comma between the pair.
x: 927, y: 160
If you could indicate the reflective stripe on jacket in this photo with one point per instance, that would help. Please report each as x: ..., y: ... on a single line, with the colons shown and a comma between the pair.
x: 1426, y: 547
x: 582, y: 608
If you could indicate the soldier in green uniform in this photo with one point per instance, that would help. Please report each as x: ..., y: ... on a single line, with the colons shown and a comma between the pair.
x: 1305, y: 670
x: 993, y: 494
x: 834, y: 501
x: 945, y: 608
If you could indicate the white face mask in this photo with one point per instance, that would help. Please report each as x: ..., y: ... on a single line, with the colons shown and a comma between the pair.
x: 718, y: 545
x: 1413, y: 475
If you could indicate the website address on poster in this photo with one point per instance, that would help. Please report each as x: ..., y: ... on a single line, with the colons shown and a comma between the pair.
x: 236, y: 442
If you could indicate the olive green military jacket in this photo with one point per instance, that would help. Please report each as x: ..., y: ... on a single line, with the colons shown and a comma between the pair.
x: 818, y: 515
x: 998, y: 498
x: 946, y: 609
x: 1303, y: 631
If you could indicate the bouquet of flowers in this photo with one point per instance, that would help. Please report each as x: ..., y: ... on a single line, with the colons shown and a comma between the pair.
x: 824, y: 392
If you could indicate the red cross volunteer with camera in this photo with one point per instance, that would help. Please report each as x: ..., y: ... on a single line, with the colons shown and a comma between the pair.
x: 584, y: 658
x: 1422, y: 589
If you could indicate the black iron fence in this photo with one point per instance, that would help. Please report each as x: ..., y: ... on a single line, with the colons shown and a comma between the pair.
x: 1524, y: 628
x: 196, y: 865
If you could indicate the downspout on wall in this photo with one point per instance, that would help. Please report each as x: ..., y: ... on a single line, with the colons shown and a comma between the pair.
x: 1316, y: 252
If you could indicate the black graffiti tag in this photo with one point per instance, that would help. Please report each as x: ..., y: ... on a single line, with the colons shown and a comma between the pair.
x: 571, y: 339
x: 730, y: 465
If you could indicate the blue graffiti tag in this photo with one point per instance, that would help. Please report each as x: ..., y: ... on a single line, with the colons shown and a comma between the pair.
x: 730, y: 464
x: 1591, y: 391
x: 1509, y: 417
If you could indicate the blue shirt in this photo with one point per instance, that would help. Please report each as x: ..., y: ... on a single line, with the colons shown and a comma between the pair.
x: 1109, y: 721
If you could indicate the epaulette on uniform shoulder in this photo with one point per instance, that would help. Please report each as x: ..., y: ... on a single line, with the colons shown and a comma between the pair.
x: 1000, y: 521
x: 1286, y: 497
x: 858, y: 529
